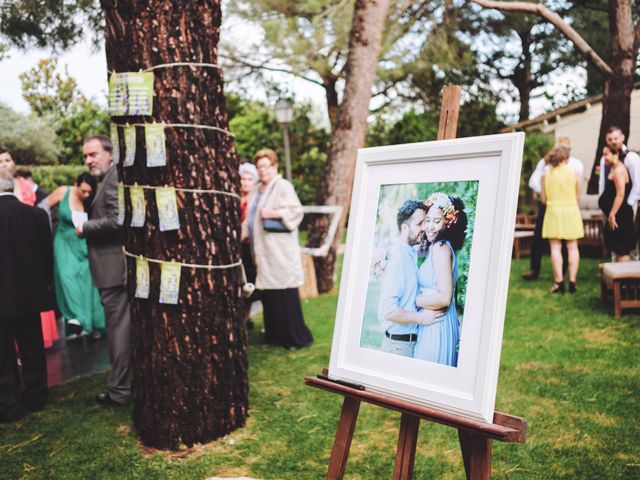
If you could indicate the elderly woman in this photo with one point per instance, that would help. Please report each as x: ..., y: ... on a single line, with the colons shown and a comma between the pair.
x: 273, y: 216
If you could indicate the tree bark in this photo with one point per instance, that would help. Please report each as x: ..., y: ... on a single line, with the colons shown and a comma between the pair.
x: 350, y: 129
x: 189, y: 360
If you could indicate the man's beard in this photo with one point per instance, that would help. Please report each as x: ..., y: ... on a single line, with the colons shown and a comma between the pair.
x: 97, y: 172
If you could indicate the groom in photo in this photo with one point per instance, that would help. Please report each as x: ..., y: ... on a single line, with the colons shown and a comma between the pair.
x: 397, y: 311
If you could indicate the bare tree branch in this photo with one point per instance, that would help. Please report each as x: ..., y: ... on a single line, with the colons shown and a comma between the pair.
x: 264, y: 66
x: 540, y: 10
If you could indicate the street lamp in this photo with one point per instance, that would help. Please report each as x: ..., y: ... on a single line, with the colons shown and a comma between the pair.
x: 284, y: 116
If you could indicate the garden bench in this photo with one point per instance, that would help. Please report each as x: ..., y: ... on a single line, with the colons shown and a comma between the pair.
x: 522, y: 240
x: 623, y: 280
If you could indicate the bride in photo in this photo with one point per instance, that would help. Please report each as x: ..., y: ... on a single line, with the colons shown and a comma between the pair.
x: 444, y: 230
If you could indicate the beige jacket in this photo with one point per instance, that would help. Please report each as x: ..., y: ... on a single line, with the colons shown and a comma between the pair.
x: 277, y: 255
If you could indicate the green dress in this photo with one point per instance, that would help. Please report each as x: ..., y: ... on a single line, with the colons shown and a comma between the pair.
x: 77, y: 296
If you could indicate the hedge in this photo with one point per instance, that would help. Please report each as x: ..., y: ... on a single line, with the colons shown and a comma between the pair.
x: 50, y: 177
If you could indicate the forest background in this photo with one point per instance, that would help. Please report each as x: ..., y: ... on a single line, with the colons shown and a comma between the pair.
x: 426, y: 46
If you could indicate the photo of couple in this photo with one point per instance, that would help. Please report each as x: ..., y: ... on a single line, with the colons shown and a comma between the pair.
x: 418, y: 276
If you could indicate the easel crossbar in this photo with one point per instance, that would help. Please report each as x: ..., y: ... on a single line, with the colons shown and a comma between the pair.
x: 506, y: 428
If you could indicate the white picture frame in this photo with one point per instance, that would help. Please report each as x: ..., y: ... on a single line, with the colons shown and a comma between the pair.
x: 468, y: 388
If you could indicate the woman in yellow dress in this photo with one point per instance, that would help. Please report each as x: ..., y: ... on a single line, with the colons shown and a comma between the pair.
x: 562, y: 221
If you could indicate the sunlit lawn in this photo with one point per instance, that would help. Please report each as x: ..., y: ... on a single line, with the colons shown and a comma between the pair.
x: 567, y: 366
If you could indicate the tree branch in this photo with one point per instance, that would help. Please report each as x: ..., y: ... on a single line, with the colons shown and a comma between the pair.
x: 264, y: 66
x: 540, y: 10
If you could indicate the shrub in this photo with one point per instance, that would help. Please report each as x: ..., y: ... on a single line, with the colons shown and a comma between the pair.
x: 50, y: 177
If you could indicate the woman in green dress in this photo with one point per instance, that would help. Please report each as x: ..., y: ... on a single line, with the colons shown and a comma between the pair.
x: 77, y: 296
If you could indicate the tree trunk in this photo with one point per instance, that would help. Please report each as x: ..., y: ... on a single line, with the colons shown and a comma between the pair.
x: 189, y: 360
x: 521, y: 77
x: 351, y: 126
x: 333, y: 106
x: 616, y: 101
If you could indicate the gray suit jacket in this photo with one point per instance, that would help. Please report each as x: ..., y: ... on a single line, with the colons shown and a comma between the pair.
x: 104, y: 235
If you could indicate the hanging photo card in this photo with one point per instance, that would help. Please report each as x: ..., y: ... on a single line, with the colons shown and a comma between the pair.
x: 120, y: 204
x: 167, y: 209
x: 131, y: 93
x: 115, y: 143
x: 142, y: 278
x: 138, y: 206
x: 156, y: 145
x: 129, y: 145
x: 170, y: 282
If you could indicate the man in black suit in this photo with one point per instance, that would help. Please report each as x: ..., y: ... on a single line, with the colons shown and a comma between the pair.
x: 26, y: 279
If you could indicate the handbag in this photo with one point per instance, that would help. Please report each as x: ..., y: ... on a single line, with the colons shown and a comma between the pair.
x: 274, y: 225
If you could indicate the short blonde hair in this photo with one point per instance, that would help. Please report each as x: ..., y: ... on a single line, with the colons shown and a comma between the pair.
x: 266, y: 153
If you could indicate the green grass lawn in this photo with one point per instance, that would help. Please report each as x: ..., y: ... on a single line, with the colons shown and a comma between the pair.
x: 568, y: 367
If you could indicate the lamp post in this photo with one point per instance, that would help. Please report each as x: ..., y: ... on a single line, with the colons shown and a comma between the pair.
x: 284, y: 116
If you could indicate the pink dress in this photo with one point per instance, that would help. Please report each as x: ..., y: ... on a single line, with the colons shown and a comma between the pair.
x: 48, y: 319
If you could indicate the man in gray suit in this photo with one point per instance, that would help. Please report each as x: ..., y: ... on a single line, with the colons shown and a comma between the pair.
x: 108, y: 269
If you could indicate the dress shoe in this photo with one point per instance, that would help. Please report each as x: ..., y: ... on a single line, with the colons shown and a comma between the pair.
x: 105, y: 400
x: 530, y: 275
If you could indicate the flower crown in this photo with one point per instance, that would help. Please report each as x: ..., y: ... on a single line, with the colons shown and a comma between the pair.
x: 444, y: 203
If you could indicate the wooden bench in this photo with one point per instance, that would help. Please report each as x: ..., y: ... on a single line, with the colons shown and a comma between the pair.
x: 623, y: 280
x: 522, y: 240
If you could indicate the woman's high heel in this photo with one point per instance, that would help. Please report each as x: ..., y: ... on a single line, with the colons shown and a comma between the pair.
x: 572, y: 287
x: 558, y: 287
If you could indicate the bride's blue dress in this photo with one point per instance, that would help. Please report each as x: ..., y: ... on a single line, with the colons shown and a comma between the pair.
x: 438, y: 342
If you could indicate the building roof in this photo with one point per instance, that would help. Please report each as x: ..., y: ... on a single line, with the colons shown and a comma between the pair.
x: 555, y: 115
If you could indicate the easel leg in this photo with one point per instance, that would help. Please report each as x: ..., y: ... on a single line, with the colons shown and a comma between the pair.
x: 406, y: 451
x: 476, y: 453
x: 344, y: 435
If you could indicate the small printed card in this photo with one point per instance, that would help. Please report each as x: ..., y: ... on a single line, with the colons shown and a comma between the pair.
x: 129, y: 145
x: 138, y: 206
x: 142, y: 278
x: 170, y: 282
x: 78, y: 218
x: 156, y: 145
x: 131, y: 93
x: 116, y: 143
x: 167, y: 209
x: 120, y: 204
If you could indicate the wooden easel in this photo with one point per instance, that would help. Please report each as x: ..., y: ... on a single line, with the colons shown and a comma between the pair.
x: 475, y: 436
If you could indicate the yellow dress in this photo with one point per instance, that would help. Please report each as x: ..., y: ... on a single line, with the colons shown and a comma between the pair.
x: 562, y: 218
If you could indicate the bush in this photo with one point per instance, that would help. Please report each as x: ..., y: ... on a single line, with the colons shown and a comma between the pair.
x: 51, y: 177
x: 30, y: 139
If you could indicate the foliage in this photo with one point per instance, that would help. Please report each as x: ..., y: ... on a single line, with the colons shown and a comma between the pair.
x: 255, y: 128
x: 56, y: 96
x: 567, y: 366
x: 52, y: 23
x: 29, y: 138
x: 536, y: 145
x: 50, y: 177
x: 520, y: 49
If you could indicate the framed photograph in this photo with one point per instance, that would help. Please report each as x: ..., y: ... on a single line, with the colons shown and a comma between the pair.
x: 426, y: 270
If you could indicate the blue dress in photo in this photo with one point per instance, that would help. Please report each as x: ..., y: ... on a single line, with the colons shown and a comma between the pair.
x: 438, y: 342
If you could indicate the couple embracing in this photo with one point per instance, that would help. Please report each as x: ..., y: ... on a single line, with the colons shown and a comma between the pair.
x: 417, y: 304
